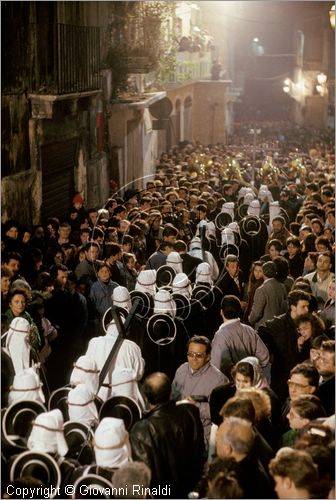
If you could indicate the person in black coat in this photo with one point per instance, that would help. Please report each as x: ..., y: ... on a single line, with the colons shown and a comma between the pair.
x: 236, y: 438
x: 280, y: 336
x: 169, y: 439
x: 189, y: 263
x: 325, y: 365
x: 231, y: 280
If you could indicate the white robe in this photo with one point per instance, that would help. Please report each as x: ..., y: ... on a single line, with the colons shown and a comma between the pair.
x: 129, y: 356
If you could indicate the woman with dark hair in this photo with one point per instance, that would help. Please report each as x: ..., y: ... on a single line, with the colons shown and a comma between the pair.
x: 317, y: 227
x: 256, y: 279
x: 310, y: 263
x: 308, y: 244
x: 17, y: 307
x: 309, y: 326
x: 246, y: 373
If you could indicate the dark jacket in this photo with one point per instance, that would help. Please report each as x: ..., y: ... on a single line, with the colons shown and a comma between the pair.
x: 280, y: 336
x: 253, y: 479
x: 169, y: 439
x: 295, y: 265
x: 156, y: 260
x: 326, y: 393
x: 189, y: 265
x: 228, y: 286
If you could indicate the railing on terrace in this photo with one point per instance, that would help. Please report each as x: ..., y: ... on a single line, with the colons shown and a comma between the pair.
x: 189, y: 66
x: 75, y: 62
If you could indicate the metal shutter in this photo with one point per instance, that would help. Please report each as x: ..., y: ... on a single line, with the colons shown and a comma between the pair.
x: 58, y: 161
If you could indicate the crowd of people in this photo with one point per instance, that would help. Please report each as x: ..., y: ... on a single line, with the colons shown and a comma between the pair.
x: 182, y: 337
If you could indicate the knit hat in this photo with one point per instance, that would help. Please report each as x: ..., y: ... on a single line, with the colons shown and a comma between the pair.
x: 78, y: 199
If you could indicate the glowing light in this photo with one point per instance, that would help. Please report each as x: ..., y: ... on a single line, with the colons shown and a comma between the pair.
x: 287, y: 82
x: 256, y: 40
x: 286, y: 89
x: 332, y: 17
x: 321, y: 78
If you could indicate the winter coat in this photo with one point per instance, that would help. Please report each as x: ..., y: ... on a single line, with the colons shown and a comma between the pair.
x: 169, y: 439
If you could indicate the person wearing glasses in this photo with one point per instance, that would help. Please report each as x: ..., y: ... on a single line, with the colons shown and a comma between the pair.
x: 196, y: 379
x: 303, y: 379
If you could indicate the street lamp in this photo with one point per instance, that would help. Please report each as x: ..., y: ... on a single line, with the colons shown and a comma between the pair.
x: 332, y: 17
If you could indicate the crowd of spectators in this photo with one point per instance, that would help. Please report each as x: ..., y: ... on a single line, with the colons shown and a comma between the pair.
x: 240, y: 402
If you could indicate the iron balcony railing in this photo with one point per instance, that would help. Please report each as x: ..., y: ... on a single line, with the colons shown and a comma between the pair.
x: 70, y: 62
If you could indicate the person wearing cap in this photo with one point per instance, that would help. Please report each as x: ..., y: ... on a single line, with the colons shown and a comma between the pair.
x: 169, y: 438
x: 270, y: 298
x: 77, y: 213
x: 198, y: 377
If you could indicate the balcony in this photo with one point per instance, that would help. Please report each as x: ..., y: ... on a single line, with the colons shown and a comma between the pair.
x: 68, y: 60
x: 190, y: 66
